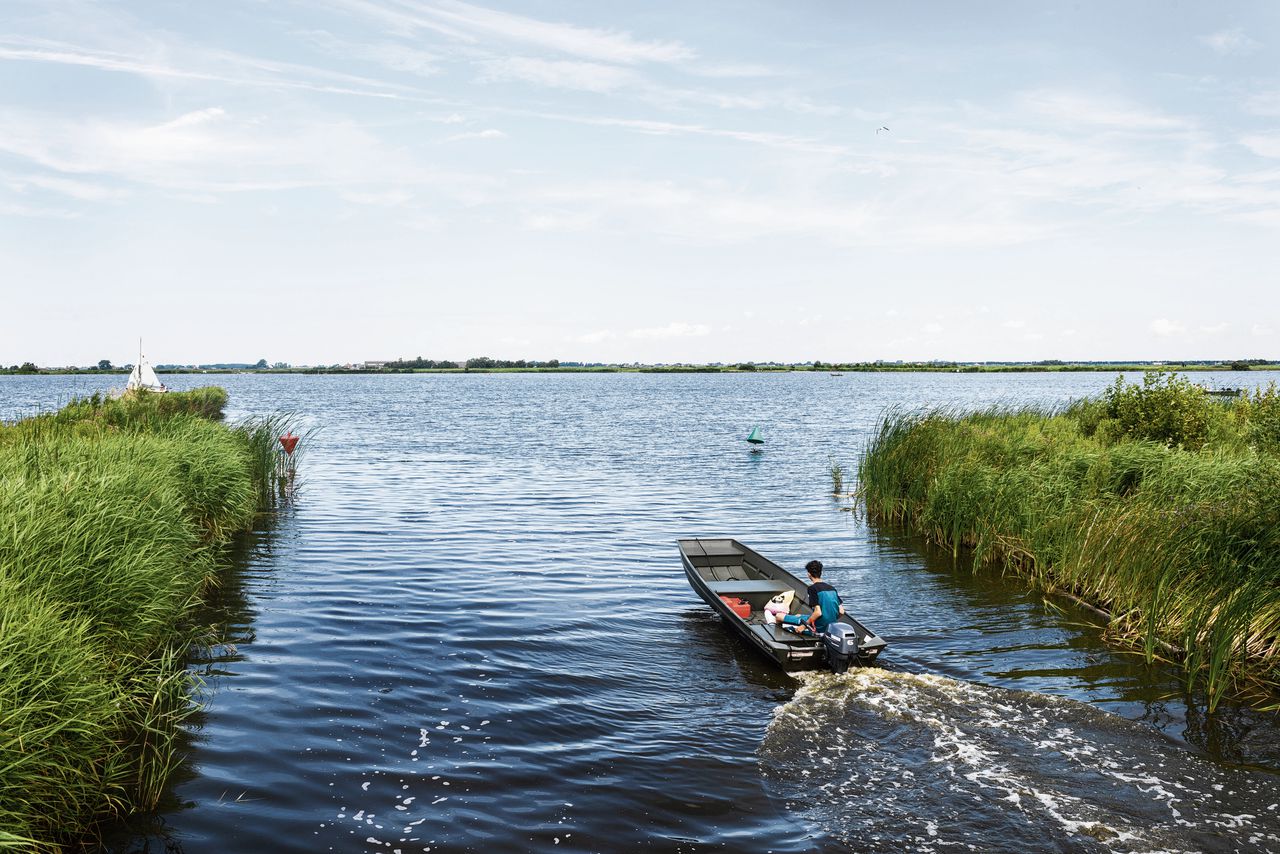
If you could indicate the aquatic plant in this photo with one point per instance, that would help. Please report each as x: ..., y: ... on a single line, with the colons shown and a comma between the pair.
x: 1161, y: 511
x: 115, y: 513
x: 837, y: 476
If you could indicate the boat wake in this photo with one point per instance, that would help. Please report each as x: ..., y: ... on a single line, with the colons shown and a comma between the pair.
x: 886, y: 761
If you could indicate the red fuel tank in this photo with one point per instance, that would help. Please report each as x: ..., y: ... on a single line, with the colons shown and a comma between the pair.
x: 741, y: 607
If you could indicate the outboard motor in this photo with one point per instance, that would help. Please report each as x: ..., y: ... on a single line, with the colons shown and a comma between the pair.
x: 840, y: 640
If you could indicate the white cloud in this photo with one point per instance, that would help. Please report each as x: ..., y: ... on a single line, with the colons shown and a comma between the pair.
x: 392, y: 55
x: 1014, y: 324
x: 468, y: 23
x: 1214, y: 329
x: 931, y: 328
x: 1086, y: 109
x: 1232, y: 41
x: 488, y: 133
x: 1261, y: 330
x: 1263, y: 103
x: 385, y: 198
x: 730, y: 70
x: 560, y: 74
x: 217, y: 66
x: 675, y: 329
x: 1164, y: 327
x: 1262, y: 144
x: 72, y: 187
x: 596, y: 337
x: 212, y: 151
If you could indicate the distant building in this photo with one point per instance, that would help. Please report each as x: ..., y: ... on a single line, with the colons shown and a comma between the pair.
x: 374, y: 366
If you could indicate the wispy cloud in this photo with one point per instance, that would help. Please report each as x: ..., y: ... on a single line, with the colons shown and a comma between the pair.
x: 213, y: 151
x: 1094, y: 111
x: 487, y: 133
x: 1231, y: 41
x: 391, y: 55
x: 470, y: 23
x: 1262, y: 144
x: 217, y: 66
x: 560, y: 73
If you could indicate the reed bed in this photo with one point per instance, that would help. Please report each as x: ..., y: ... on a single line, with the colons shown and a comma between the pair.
x: 114, y: 516
x: 1154, y: 502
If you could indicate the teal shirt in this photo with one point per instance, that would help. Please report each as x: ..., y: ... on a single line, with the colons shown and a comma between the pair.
x: 823, y: 595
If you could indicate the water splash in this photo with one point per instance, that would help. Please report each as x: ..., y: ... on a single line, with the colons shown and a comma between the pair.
x: 890, y: 761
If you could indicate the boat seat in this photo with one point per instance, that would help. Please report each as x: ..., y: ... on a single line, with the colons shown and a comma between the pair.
x: 764, y: 585
x: 725, y: 573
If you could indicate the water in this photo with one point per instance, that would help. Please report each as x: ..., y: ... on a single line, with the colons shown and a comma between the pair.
x: 471, y: 632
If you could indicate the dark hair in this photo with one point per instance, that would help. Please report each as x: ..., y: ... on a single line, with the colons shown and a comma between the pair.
x: 814, y: 568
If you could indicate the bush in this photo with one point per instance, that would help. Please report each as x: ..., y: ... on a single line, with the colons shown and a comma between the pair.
x: 1261, y: 417
x: 1166, y: 408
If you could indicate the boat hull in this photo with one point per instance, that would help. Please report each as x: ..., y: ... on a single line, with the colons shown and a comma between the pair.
x: 725, y: 567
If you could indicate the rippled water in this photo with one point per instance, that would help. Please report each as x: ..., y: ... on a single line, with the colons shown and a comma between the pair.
x: 471, y: 632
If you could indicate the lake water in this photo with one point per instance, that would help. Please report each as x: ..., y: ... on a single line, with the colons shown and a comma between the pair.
x: 471, y: 632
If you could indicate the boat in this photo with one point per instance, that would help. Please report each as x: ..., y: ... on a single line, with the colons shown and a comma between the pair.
x: 1224, y: 392
x: 144, y: 376
x: 836, y: 374
x: 725, y: 567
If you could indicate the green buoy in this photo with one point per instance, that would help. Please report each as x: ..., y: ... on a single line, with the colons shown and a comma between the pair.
x: 755, y: 438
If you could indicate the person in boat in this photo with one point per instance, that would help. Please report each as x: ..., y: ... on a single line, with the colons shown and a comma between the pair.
x: 823, y: 599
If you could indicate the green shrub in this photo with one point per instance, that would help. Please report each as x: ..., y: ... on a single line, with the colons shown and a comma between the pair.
x: 1261, y: 415
x: 1165, y: 408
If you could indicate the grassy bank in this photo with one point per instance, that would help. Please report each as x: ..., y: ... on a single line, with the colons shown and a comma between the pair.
x: 1154, y: 502
x: 114, y: 515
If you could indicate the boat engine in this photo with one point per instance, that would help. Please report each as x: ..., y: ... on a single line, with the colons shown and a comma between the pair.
x: 840, y: 640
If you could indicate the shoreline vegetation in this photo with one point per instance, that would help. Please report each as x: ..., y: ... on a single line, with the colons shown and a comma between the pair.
x: 485, y: 365
x: 1155, y: 503
x: 116, y: 516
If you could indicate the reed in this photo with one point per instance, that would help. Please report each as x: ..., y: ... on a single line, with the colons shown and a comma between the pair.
x: 1164, y: 511
x: 837, y: 476
x: 115, y: 513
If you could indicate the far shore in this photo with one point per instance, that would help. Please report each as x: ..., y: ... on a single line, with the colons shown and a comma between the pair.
x: 738, y: 368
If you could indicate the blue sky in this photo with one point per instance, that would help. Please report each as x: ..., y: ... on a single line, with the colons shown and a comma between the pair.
x: 338, y: 180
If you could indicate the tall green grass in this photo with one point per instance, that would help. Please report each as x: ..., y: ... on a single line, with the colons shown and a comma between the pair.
x: 113, y: 514
x: 1154, y: 502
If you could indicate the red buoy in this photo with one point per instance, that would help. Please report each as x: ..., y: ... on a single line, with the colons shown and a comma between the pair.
x: 289, y: 441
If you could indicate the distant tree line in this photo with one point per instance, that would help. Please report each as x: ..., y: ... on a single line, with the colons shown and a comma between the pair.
x: 484, y: 362
x: 477, y: 363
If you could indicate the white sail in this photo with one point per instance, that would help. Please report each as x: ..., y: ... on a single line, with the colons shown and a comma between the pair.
x: 144, y: 376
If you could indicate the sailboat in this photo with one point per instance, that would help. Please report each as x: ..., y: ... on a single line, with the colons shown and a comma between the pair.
x: 144, y: 376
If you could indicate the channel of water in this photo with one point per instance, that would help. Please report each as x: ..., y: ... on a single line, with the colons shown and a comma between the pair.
x: 471, y: 632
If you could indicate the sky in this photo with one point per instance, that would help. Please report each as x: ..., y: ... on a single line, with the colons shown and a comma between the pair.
x: 331, y: 181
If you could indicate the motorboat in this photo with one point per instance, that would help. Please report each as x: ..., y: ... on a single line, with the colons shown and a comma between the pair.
x: 738, y: 582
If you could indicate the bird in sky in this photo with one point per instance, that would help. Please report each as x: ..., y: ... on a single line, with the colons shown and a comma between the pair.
x: 880, y: 129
